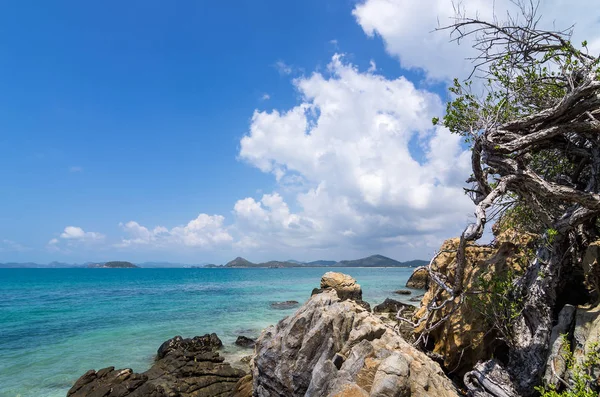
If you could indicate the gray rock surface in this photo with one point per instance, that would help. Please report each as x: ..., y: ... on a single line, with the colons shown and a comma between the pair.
x: 556, y: 364
x: 285, y: 305
x: 333, y: 347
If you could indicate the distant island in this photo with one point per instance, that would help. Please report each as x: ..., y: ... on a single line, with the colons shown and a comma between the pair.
x: 113, y: 265
x: 370, y: 261
x: 237, y: 263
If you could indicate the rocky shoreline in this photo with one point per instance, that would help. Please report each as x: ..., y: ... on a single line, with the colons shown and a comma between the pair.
x: 335, y: 327
x: 334, y: 345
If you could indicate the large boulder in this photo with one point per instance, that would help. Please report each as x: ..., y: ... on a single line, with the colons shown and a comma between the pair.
x: 419, y: 279
x: 345, y: 286
x: 556, y: 364
x: 183, y: 368
x: 591, y: 268
x: 586, y: 336
x: 334, y: 347
x: 465, y: 338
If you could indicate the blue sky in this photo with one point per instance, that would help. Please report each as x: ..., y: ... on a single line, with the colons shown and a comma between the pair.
x: 112, y: 112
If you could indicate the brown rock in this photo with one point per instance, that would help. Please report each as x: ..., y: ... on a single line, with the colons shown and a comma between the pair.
x: 243, y: 388
x: 345, y: 286
x: 419, y: 279
x: 464, y: 339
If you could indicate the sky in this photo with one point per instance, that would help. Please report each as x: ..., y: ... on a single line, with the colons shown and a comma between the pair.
x: 198, y: 131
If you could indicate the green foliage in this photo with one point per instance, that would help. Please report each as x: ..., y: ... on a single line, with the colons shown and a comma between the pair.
x: 551, y: 235
x: 522, y: 219
x: 581, y: 378
x: 497, y: 302
x: 515, y: 87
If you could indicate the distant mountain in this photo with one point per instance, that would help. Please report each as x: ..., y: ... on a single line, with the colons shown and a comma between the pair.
x: 371, y: 261
x: 240, y: 262
x: 166, y: 265
x: 113, y: 265
x: 415, y: 263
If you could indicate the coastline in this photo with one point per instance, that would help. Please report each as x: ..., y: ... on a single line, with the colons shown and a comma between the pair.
x: 85, y: 318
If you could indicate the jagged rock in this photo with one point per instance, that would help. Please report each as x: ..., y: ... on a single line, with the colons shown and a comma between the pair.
x: 556, y: 364
x: 243, y: 388
x: 345, y: 286
x: 183, y: 368
x: 244, y: 341
x: 392, y: 306
x: 300, y: 356
x: 419, y: 279
x: 403, y: 292
x: 464, y: 338
x: 285, y: 305
x: 586, y: 335
x: 591, y: 268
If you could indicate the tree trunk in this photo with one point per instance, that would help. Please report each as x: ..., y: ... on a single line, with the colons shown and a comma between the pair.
x: 532, y: 329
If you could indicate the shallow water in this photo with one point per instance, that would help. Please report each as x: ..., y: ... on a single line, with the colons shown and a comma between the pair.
x: 55, y: 324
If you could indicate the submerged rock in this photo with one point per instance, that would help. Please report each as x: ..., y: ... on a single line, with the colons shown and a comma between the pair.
x: 419, y: 279
x: 244, y: 341
x: 334, y: 347
x: 285, y: 305
x: 417, y: 298
x: 403, y: 292
x: 183, y: 368
x: 392, y: 306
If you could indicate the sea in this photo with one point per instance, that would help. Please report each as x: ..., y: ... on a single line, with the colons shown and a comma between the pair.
x: 55, y: 324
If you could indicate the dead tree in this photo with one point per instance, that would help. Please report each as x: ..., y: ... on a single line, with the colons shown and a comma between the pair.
x: 535, y: 136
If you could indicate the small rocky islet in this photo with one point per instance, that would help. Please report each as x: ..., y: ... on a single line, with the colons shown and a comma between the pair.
x: 334, y: 345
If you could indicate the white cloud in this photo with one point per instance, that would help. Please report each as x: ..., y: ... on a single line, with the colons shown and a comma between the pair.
x: 406, y: 28
x: 265, y: 97
x: 206, y: 231
x: 74, y: 236
x: 11, y: 246
x: 75, y: 233
x: 76, y: 169
x: 283, y: 68
x: 374, y: 170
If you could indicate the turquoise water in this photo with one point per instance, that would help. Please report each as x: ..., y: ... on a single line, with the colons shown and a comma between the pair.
x: 55, y: 324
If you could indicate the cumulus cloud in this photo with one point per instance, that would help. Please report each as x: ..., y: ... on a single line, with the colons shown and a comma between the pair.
x: 206, y: 231
x: 74, y: 236
x: 374, y: 170
x: 406, y: 27
x: 75, y: 233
